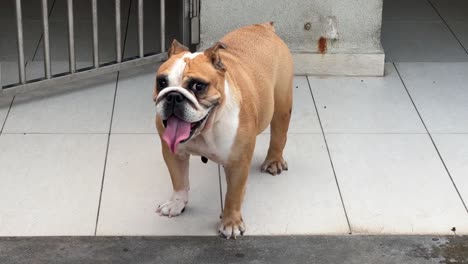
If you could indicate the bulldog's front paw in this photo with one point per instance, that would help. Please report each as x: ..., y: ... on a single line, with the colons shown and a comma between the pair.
x: 231, y: 225
x: 274, y: 166
x: 175, y: 206
x: 171, y: 208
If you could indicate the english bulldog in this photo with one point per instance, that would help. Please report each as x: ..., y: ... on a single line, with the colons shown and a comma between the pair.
x: 214, y: 104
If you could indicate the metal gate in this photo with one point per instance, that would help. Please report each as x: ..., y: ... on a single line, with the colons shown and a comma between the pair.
x: 189, y: 30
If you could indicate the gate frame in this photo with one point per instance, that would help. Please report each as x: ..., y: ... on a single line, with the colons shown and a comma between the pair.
x: 187, y: 29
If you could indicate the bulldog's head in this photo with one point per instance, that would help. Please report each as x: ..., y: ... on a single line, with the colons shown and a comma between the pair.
x: 189, y: 86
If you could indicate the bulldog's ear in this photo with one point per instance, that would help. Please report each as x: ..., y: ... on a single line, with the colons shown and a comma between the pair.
x: 176, y: 48
x: 213, y: 54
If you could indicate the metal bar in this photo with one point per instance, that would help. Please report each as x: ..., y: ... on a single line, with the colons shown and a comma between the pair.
x: 45, y: 26
x: 163, y: 25
x: 19, y: 25
x: 95, y: 34
x: 93, y: 72
x: 118, y: 38
x: 140, y: 28
x: 184, y: 21
x: 71, y: 37
x: 191, y: 8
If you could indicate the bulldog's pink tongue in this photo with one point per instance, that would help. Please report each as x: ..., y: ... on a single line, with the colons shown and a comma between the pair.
x: 176, y: 131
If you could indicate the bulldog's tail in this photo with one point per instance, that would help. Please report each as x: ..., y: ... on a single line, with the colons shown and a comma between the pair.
x: 269, y: 25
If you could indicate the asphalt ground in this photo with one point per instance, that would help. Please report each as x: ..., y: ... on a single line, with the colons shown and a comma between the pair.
x: 247, y: 249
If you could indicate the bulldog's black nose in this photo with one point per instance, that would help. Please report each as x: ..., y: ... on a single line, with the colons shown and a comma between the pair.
x: 175, y: 97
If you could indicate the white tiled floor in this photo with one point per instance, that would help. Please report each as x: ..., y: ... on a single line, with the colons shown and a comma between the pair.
x: 404, y: 177
x: 137, y: 180
x: 365, y: 105
x: 56, y: 150
x: 134, y: 107
x: 454, y: 150
x: 50, y: 184
x: 452, y: 10
x: 460, y: 28
x: 440, y: 92
x: 304, y: 117
x: 65, y: 109
x: 302, y: 200
x: 409, y: 11
x: 5, y: 103
x: 430, y: 42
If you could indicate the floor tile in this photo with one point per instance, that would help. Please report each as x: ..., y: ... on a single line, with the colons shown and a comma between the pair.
x: 302, y: 200
x: 135, y: 111
x: 440, y: 94
x: 460, y: 29
x: 395, y: 184
x: 32, y: 32
x: 5, y: 102
x: 454, y: 151
x: 50, y: 184
x: 80, y: 107
x: 82, y: 10
x: 137, y: 180
x: 35, y: 69
x: 58, y: 28
x: 304, y: 117
x: 365, y: 104
x: 83, y: 42
x: 9, y: 73
x: 152, y: 27
x: 452, y: 10
x: 420, y: 42
x: 409, y: 11
x: 151, y: 42
x: 31, y: 9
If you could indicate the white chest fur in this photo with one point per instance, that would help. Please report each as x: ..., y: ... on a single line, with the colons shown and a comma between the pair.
x: 216, y: 143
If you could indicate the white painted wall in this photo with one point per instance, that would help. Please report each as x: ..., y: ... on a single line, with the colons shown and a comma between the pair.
x: 354, y: 31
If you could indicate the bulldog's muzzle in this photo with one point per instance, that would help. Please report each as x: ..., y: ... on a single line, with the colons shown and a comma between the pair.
x: 181, y: 115
x: 176, y: 105
x: 179, y: 102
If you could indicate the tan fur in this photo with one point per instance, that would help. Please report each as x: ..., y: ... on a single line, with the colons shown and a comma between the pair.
x: 259, y: 70
x: 265, y: 83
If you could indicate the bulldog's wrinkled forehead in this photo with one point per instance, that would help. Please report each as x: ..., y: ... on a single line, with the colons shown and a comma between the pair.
x: 174, y: 68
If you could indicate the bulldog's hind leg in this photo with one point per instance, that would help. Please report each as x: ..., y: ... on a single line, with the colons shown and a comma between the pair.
x: 178, y: 169
x: 274, y: 162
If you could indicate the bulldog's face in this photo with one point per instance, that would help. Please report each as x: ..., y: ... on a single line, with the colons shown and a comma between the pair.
x: 188, y: 88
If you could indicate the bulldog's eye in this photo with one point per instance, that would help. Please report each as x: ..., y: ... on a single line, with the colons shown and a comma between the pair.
x: 198, y: 86
x: 162, y: 83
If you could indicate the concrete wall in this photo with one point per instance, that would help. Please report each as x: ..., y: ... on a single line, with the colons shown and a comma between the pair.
x: 347, y: 27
